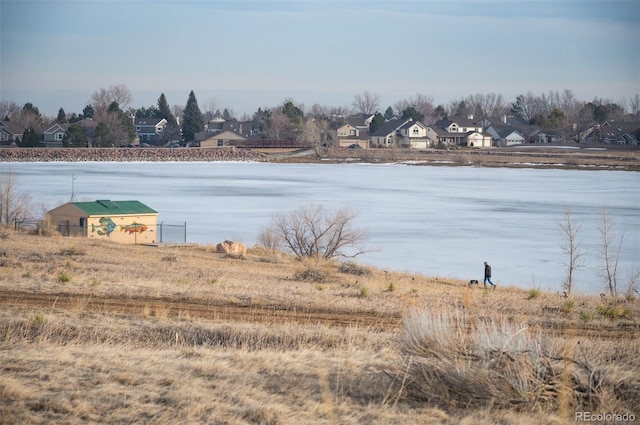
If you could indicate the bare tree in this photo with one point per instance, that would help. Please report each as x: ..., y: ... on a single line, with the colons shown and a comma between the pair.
x: 366, y: 103
x: 14, y: 205
x: 101, y: 99
x: 8, y: 108
x: 634, y: 105
x: 486, y: 105
x: 313, y: 232
x: 610, y: 250
x: 423, y: 103
x: 210, y: 108
x: 571, y: 246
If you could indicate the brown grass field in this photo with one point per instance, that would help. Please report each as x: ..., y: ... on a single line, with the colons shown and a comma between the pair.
x: 96, y: 332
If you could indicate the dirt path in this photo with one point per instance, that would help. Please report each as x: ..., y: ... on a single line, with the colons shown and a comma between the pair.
x: 249, y: 313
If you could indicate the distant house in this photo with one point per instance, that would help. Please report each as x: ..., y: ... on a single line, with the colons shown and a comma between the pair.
x: 10, y: 133
x: 459, y: 131
x: 505, y: 135
x: 150, y: 130
x: 413, y: 135
x: 349, y: 135
x: 616, y: 133
x: 248, y: 129
x: 387, y: 135
x: 54, y: 135
x: 224, y: 138
x: 129, y: 222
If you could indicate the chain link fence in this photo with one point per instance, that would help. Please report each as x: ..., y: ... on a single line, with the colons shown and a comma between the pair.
x: 167, y: 233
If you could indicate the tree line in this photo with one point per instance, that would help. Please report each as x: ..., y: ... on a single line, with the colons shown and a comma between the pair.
x: 113, y: 114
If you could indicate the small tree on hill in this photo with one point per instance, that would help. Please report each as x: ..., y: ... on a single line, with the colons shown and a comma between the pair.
x: 313, y: 232
x: 572, y: 247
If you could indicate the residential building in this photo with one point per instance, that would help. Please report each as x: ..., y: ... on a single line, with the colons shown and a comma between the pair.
x: 54, y: 135
x: 616, y: 133
x: 504, y: 135
x: 10, y: 133
x: 150, y: 130
x: 387, y: 135
x: 458, y: 131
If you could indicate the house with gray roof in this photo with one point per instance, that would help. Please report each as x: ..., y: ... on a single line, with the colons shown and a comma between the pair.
x: 10, y: 133
x: 387, y: 135
x: 458, y: 131
x: 150, y: 130
x: 616, y: 133
x: 504, y: 135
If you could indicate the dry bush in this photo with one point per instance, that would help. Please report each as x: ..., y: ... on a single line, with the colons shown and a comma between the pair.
x: 354, y: 268
x: 457, y: 363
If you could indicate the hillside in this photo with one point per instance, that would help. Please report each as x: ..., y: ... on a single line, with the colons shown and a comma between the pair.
x: 113, y: 333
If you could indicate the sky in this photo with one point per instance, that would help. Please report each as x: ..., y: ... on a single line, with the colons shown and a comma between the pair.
x: 242, y: 55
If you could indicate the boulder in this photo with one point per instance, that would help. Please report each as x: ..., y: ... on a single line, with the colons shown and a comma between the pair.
x: 232, y: 249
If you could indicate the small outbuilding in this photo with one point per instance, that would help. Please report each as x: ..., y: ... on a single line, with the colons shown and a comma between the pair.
x: 130, y: 222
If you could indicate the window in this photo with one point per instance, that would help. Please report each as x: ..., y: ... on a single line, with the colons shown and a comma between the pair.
x: 416, y: 131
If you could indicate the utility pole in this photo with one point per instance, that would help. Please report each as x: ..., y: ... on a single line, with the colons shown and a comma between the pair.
x: 73, y: 192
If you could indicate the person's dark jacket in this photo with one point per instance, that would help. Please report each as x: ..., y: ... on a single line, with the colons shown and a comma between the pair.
x: 487, y: 271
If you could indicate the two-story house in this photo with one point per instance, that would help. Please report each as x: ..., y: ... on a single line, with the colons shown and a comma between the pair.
x: 413, y: 135
x: 458, y: 131
x: 387, y: 135
x: 150, y: 130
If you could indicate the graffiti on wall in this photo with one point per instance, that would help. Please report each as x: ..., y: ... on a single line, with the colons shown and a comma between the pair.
x: 134, y: 228
x: 105, y: 227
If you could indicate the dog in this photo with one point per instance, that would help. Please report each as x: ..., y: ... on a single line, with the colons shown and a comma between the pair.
x: 473, y: 282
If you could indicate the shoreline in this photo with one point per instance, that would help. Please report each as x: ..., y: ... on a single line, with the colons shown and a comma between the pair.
x: 576, y: 158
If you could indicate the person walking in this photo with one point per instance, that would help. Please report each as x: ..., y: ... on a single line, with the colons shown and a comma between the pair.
x: 487, y: 276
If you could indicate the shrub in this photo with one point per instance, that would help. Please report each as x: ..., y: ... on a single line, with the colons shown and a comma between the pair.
x: 364, y: 292
x: 313, y: 274
x: 354, y: 268
x: 63, y: 277
x: 568, y: 306
x: 614, y: 311
x: 533, y: 293
x: 454, y: 362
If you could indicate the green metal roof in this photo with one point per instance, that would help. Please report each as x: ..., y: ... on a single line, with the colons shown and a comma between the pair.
x: 106, y: 207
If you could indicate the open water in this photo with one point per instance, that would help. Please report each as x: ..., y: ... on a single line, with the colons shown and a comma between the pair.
x: 438, y: 221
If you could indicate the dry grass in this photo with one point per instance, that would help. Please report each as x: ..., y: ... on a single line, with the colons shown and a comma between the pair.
x: 465, y: 355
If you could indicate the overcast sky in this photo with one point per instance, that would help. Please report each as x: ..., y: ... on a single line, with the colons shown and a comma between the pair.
x: 250, y: 54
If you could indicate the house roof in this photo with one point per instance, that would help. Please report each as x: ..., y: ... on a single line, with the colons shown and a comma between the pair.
x: 148, y: 121
x: 106, y: 206
x: 389, y: 127
x: 460, y: 121
x: 12, y: 127
x: 410, y: 124
x: 504, y: 130
x: 57, y: 127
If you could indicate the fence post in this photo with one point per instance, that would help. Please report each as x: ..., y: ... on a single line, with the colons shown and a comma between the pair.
x: 160, y: 232
x: 185, y: 233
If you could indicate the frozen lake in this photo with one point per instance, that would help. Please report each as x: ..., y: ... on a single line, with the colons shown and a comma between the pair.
x: 438, y: 221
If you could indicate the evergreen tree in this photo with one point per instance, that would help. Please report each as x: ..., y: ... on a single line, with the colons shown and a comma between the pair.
x: 75, y: 137
x: 165, y: 110
x: 412, y: 113
x: 30, y: 138
x: 62, y: 116
x: 88, y: 111
x: 103, y: 137
x: 192, y: 119
x: 28, y: 107
x: 377, y: 122
x: 388, y: 114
